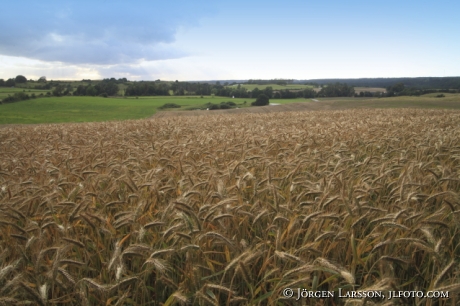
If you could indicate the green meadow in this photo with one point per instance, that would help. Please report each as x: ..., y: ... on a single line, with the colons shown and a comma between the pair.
x: 91, y: 109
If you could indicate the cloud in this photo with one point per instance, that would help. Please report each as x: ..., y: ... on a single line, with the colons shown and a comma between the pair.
x: 97, y: 32
x: 183, y: 69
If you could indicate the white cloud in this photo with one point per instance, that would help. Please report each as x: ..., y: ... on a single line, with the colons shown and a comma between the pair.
x: 100, y: 33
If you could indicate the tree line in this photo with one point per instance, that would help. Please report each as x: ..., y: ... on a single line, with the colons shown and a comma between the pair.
x: 11, y: 82
x: 401, y: 89
x: 111, y: 87
x: 420, y: 83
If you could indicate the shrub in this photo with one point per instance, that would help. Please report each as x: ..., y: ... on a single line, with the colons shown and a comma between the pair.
x: 261, y: 100
x: 213, y: 106
x: 223, y: 105
x: 227, y: 105
x: 170, y: 105
x: 19, y: 96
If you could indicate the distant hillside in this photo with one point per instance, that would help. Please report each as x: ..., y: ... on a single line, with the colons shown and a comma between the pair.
x: 419, y: 83
x: 422, y: 83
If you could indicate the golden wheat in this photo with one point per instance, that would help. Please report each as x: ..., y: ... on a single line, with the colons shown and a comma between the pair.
x: 230, y: 209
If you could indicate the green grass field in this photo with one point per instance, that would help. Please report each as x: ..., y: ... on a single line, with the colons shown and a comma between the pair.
x: 92, y: 109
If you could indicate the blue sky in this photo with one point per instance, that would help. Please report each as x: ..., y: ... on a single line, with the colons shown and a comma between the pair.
x: 204, y: 40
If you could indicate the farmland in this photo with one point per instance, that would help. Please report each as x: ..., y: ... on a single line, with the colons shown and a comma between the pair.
x: 94, y: 109
x: 370, y: 89
x: 74, y: 109
x: 275, y: 86
x: 429, y: 101
x: 90, y: 109
x: 232, y: 209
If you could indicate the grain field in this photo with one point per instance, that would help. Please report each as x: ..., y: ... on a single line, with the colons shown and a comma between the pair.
x: 232, y: 209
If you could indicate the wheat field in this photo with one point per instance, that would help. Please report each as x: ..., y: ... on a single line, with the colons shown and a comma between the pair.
x: 231, y: 209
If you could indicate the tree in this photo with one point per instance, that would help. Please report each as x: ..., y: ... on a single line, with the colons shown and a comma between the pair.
x: 68, y: 90
x: 42, y: 79
x: 20, y: 79
x: 58, y: 90
x: 256, y: 92
x: 10, y: 83
x: 2, y: 82
x: 261, y: 100
x: 91, y: 91
x: 396, y: 88
x: 268, y: 91
x: 108, y: 87
x: 337, y: 90
x: 81, y: 91
x: 309, y: 93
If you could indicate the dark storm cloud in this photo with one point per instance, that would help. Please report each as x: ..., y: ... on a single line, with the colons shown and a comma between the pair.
x: 96, y: 32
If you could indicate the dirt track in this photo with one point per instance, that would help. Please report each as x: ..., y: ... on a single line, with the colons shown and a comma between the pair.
x: 299, y: 106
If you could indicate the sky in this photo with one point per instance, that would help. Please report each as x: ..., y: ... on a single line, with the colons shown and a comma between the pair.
x: 221, y: 40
